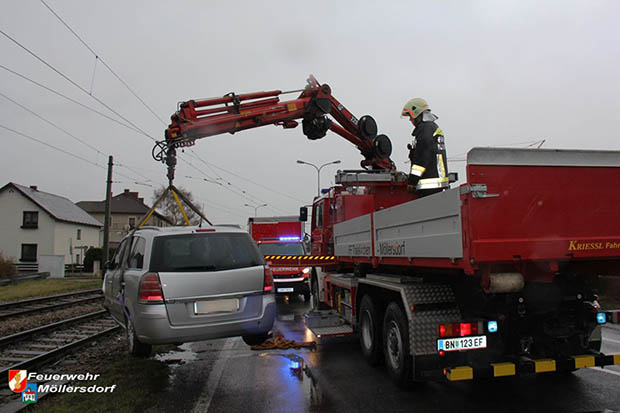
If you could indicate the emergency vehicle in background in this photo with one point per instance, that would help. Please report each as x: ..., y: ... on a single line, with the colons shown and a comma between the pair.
x: 278, y: 237
x: 490, y: 278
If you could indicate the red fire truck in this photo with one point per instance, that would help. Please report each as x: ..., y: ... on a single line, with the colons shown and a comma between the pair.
x: 278, y: 237
x: 490, y: 278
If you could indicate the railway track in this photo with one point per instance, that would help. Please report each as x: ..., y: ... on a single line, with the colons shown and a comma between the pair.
x: 52, y: 302
x: 41, y: 345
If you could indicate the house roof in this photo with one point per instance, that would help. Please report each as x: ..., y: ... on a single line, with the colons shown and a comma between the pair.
x: 58, y: 207
x: 126, y: 202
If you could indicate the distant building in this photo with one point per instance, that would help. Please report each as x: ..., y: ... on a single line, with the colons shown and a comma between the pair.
x: 126, y: 211
x: 35, y: 223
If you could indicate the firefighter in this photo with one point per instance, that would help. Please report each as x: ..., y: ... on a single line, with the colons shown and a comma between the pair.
x: 427, y: 152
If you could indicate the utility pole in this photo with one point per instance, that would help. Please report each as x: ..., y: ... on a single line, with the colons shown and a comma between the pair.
x: 106, y: 219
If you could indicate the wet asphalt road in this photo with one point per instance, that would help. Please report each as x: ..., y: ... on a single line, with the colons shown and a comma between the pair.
x: 225, y: 375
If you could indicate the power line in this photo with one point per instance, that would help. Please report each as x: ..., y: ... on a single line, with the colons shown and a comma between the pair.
x: 60, y: 150
x: 98, y: 56
x: 68, y: 79
x: 67, y: 98
x: 247, y: 180
x: 51, y: 123
x: 99, y: 152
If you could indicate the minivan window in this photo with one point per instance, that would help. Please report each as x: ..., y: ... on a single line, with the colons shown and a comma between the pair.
x: 204, y: 252
x: 120, y: 253
x: 282, y: 248
x: 136, y: 256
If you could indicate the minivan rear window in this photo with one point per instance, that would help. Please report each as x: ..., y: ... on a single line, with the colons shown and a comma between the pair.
x: 204, y: 252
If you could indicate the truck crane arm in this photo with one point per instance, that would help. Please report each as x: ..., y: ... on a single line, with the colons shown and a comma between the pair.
x: 231, y: 113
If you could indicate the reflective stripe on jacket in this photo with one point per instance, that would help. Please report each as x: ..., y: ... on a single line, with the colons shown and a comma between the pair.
x: 429, y: 164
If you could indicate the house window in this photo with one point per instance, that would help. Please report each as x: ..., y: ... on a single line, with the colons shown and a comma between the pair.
x: 29, y: 253
x: 79, y: 234
x: 31, y: 219
x: 132, y: 222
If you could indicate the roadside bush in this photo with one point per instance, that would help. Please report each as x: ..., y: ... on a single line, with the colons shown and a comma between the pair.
x: 7, y: 266
x: 92, y: 255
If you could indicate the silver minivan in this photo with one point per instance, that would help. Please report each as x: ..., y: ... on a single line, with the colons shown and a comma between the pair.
x: 182, y: 284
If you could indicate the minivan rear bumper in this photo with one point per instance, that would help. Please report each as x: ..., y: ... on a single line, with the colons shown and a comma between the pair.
x: 153, y: 327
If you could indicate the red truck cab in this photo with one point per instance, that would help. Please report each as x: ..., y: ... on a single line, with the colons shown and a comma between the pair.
x: 283, y: 236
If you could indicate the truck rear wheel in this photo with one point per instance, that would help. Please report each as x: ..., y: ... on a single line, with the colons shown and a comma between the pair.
x: 398, y: 361
x: 370, y: 331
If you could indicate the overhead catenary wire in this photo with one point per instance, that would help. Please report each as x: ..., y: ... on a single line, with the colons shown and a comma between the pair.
x: 99, y: 151
x: 68, y: 79
x: 52, y: 124
x: 68, y: 153
x: 103, y: 62
x: 77, y: 102
x: 226, y: 186
x: 247, y: 180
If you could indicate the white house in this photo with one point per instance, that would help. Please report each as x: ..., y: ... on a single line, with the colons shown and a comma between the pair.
x: 35, y: 223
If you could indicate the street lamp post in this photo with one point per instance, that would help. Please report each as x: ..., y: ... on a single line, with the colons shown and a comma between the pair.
x: 255, y: 207
x: 318, y: 172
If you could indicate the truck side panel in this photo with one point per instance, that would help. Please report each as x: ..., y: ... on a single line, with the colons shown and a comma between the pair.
x: 426, y: 227
x: 551, y: 205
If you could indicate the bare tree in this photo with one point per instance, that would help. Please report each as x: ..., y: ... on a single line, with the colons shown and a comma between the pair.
x: 169, y: 208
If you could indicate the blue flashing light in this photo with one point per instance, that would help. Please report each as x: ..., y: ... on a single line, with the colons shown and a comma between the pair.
x: 289, y: 238
x: 601, y: 318
x: 294, y: 364
x: 324, y: 191
x: 492, y: 326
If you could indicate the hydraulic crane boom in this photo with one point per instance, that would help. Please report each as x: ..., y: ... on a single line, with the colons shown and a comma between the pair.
x: 231, y: 113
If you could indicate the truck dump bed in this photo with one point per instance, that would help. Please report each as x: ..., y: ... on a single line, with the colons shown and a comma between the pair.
x: 518, y: 205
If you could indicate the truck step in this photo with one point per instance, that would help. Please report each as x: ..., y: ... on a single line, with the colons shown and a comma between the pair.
x: 342, y: 330
x: 327, y: 323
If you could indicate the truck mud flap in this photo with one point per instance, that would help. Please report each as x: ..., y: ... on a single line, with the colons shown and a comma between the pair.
x: 526, y: 367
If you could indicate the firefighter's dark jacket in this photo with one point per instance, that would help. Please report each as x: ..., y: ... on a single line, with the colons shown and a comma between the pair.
x: 429, y: 164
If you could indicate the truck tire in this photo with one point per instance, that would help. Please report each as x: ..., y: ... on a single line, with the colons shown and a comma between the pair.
x: 398, y: 361
x: 306, y: 296
x: 370, y: 331
x: 135, y: 346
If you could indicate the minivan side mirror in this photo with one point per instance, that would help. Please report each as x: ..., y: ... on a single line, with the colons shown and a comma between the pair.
x: 107, y: 266
x: 303, y: 214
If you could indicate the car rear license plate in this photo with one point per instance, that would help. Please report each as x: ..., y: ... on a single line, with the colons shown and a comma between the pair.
x: 462, y: 343
x: 286, y: 290
x: 216, y: 306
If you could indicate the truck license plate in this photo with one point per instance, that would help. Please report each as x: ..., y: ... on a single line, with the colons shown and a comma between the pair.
x: 462, y: 343
x: 216, y: 306
x: 286, y: 290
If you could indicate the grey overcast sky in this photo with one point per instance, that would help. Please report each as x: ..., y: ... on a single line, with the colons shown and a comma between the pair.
x: 495, y: 72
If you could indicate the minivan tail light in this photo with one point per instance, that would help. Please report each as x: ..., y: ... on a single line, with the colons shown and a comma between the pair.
x: 149, y: 291
x: 268, y: 280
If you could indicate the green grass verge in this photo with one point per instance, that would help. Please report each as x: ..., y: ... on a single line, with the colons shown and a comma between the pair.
x: 136, y: 380
x: 48, y: 286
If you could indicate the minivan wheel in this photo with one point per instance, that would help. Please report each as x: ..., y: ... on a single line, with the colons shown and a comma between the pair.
x: 370, y: 331
x: 135, y: 346
x: 255, y: 339
x: 398, y: 361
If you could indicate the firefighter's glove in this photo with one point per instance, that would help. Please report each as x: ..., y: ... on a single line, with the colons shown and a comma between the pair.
x: 412, y: 181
